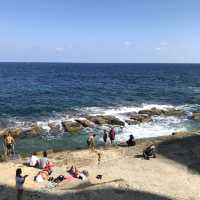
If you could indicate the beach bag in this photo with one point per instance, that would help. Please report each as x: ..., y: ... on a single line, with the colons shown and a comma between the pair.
x: 59, y: 179
x: 86, y: 173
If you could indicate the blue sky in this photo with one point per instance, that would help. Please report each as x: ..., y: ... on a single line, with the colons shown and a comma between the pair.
x: 100, y: 30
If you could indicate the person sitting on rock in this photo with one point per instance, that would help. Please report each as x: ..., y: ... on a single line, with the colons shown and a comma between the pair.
x: 149, y: 152
x: 131, y: 141
x: 43, y: 162
x: 34, y: 160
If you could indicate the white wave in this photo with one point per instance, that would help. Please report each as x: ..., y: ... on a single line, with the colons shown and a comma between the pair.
x: 189, y: 107
x: 122, y: 109
x: 146, y: 131
x: 159, y: 126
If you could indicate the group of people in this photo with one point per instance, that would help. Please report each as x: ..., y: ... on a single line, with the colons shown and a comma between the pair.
x: 147, y: 153
x: 110, y: 135
x: 45, y: 172
x: 40, y: 163
x: 46, y: 166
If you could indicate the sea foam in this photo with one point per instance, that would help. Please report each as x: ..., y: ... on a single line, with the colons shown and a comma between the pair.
x: 158, y: 127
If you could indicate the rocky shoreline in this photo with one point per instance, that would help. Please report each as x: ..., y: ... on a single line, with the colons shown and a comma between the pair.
x: 78, y: 124
x: 174, y: 173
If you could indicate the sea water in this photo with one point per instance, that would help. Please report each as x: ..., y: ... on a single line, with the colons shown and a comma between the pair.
x: 52, y: 92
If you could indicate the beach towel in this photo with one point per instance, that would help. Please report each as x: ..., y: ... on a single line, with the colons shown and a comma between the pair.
x: 69, y: 178
x: 53, y: 184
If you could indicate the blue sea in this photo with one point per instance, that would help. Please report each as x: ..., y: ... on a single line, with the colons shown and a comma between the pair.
x: 52, y: 92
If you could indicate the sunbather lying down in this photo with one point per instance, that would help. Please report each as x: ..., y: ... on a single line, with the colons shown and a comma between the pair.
x: 77, y: 174
x: 74, y: 173
x: 43, y: 175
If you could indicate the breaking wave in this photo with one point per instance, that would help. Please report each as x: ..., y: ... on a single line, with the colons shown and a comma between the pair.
x: 159, y: 126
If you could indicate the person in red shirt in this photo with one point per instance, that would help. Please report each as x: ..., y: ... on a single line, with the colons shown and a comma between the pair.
x: 112, y: 135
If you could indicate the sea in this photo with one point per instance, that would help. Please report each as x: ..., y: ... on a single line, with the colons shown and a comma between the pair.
x: 42, y: 93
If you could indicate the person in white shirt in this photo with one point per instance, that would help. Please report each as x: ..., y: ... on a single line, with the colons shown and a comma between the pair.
x: 19, y: 183
x: 44, y: 162
x: 34, y: 160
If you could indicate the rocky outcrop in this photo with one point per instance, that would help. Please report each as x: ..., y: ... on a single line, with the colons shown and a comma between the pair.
x: 195, y: 115
x: 2, y: 131
x: 34, y: 130
x: 140, y: 118
x: 71, y: 126
x: 54, y: 128
x: 131, y: 122
x: 15, y: 132
x: 114, y: 121
x: 173, y: 112
x: 158, y: 112
x: 85, y: 122
x: 151, y: 112
x: 107, y: 119
x: 97, y: 119
x: 186, y: 133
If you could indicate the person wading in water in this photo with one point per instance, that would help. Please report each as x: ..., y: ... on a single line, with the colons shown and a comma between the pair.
x: 112, y: 134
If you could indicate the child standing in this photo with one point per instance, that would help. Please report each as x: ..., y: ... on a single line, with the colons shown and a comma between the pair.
x: 19, y: 183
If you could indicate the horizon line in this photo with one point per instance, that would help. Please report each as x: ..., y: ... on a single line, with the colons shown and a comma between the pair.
x: 61, y: 62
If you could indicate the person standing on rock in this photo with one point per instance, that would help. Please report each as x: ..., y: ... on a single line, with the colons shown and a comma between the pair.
x: 9, y: 141
x: 105, y: 137
x: 112, y: 134
x: 91, y: 141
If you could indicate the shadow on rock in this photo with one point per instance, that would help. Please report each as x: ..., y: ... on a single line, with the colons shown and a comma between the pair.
x: 8, y: 193
x: 182, y: 150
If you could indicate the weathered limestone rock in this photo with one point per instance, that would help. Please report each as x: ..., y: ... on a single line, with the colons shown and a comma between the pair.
x: 151, y: 112
x: 54, y: 128
x: 107, y: 119
x: 141, y: 118
x: 36, y: 130
x: 85, y: 122
x: 158, y: 112
x: 173, y: 112
x: 72, y: 127
x: 15, y: 132
x: 131, y: 122
x: 196, y: 115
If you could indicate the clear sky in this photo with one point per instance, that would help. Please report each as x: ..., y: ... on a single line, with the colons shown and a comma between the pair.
x: 100, y: 30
